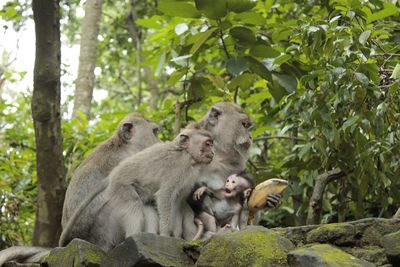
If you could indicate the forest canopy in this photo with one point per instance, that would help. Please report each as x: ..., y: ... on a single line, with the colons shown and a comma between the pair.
x: 320, y: 79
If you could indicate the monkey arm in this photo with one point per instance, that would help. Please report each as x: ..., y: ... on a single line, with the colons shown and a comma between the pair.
x: 203, y: 190
x: 167, y: 210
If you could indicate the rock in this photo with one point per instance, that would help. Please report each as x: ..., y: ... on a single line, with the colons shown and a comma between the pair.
x: 391, y: 244
x: 252, y: 246
x: 145, y: 249
x: 16, y: 264
x: 334, y: 233
x: 366, y: 232
x: 323, y: 255
x: 77, y: 253
x: 374, y: 254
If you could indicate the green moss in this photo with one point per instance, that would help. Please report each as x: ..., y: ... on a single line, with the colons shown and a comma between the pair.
x: 337, y: 233
x: 245, y: 248
x: 331, y: 255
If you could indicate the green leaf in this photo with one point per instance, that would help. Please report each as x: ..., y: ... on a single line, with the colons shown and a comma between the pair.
x: 151, y: 23
x: 203, y: 37
x: 178, y: 9
x: 236, y: 65
x: 282, y: 59
x: 263, y: 50
x: 364, y: 37
x: 175, y: 77
x: 286, y: 81
x: 244, y: 81
x: 349, y: 122
x: 239, y: 6
x: 243, y: 34
x: 258, y: 68
x: 396, y: 72
x: 251, y: 18
x: 213, y: 9
x: 362, y: 78
x: 388, y: 10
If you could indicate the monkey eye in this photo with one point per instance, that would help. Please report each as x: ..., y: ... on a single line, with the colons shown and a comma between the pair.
x: 156, y: 130
x: 227, y: 180
x: 233, y: 182
x: 209, y: 143
x: 246, y: 124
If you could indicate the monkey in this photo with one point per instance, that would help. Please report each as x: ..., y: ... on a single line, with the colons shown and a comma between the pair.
x: 231, y: 199
x: 237, y: 189
x: 162, y: 175
x: 134, y: 133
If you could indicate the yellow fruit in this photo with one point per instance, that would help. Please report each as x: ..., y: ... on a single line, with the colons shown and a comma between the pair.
x: 258, y: 198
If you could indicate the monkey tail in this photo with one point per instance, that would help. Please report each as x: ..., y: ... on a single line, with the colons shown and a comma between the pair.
x: 19, y: 252
x: 200, y: 228
x: 72, y: 220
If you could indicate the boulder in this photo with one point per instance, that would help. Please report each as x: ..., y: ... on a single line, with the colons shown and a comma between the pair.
x: 374, y: 254
x: 323, y: 255
x: 76, y: 254
x: 145, y: 249
x: 253, y: 246
x: 16, y: 264
x: 391, y: 244
x: 340, y: 234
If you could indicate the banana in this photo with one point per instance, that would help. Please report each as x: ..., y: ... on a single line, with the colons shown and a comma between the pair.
x: 258, y: 198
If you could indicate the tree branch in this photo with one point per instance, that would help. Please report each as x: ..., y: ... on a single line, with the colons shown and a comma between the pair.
x: 315, y: 205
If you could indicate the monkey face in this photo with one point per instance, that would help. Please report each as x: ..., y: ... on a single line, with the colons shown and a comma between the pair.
x: 231, y: 126
x: 206, y: 154
x: 198, y: 143
x: 235, y: 185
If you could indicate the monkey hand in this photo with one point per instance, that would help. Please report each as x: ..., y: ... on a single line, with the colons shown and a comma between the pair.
x: 273, y: 200
x: 199, y: 193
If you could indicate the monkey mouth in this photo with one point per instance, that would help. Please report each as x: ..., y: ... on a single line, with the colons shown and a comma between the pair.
x: 245, y: 145
x: 227, y: 191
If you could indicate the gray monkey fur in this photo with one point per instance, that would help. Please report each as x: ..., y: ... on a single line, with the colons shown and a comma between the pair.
x: 163, y: 174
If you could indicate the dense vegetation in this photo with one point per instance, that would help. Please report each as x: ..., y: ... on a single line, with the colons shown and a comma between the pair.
x: 321, y: 80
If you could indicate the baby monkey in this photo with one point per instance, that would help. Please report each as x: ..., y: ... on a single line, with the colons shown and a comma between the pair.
x: 228, y: 202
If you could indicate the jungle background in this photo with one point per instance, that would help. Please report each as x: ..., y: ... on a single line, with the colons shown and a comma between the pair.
x: 320, y: 78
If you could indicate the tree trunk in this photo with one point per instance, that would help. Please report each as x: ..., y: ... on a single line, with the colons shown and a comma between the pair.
x: 46, y: 119
x: 315, y: 206
x: 87, y: 58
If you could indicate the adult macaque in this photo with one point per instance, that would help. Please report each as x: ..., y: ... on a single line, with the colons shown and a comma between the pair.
x: 231, y: 198
x: 163, y: 174
x: 133, y: 134
x: 229, y: 126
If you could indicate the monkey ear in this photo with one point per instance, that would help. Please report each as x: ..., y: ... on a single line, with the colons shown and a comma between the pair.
x: 126, y: 131
x: 215, y: 112
x: 183, y: 141
x: 247, y: 193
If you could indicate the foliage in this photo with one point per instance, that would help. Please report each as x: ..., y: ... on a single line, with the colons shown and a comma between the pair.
x: 321, y: 80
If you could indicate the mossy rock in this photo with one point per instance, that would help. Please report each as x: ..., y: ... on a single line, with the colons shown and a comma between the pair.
x: 16, y: 264
x: 145, y: 249
x: 374, y: 254
x: 78, y: 253
x: 391, y: 243
x: 334, y: 233
x: 253, y: 246
x: 324, y: 255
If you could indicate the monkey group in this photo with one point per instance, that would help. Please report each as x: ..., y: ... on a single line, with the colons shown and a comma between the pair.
x: 186, y: 187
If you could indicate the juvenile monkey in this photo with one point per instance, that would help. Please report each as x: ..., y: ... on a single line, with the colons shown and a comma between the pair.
x: 162, y: 174
x: 232, y: 197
